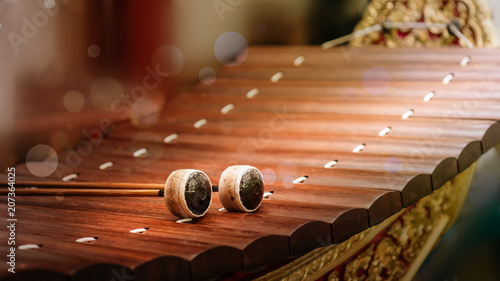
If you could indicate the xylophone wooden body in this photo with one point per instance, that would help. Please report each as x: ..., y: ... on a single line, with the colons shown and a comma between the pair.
x: 318, y: 111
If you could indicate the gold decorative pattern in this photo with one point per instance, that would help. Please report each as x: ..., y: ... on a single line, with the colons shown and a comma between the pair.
x: 475, y: 18
x: 334, y: 276
x: 392, y: 250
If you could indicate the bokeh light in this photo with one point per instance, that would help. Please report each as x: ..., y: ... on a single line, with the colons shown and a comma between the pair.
x: 269, y: 175
x: 169, y: 59
x: 231, y: 48
x: 288, y: 182
x: 145, y: 113
x: 106, y: 92
x: 376, y: 80
x: 49, y: 4
x: 94, y: 51
x: 41, y: 160
x: 73, y: 101
x: 207, y: 75
x: 393, y: 165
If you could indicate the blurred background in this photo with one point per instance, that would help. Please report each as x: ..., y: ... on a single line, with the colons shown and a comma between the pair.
x: 67, y: 64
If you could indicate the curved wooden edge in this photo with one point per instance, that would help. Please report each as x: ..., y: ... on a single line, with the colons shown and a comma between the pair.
x: 215, y: 262
x: 491, y: 137
x: 102, y: 272
x: 265, y: 250
x: 164, y: 268
x: 418, y: 187
x: 349, y: 223
x: 310, y: 236
x: 384, y: 207
x: 35, y: 274
x: 469, y: 155
x: 334, y: 259
x: 445, y: 171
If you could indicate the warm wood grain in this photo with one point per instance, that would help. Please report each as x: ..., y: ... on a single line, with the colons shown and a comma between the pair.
x: 457, y: 90
x: 318, y: 112
x: 347, y: 55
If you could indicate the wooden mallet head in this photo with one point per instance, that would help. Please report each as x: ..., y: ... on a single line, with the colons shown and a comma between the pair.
x: 188, y: 193
x: 241, y: 188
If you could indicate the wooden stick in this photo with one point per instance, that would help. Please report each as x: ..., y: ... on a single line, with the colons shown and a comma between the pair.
x: 92, y: 185
x: 85, y: 192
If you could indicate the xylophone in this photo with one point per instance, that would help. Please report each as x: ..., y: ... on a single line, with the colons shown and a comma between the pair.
x: 356, y: 145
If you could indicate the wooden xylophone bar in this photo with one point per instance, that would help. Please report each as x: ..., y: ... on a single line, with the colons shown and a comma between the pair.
x: 316, y: 120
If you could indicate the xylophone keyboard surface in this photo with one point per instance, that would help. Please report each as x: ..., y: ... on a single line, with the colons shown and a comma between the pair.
x: 316, y: 113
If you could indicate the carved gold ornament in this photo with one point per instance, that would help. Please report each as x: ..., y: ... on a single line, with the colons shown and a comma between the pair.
x: 392, y: 250
x: 474, y: 17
